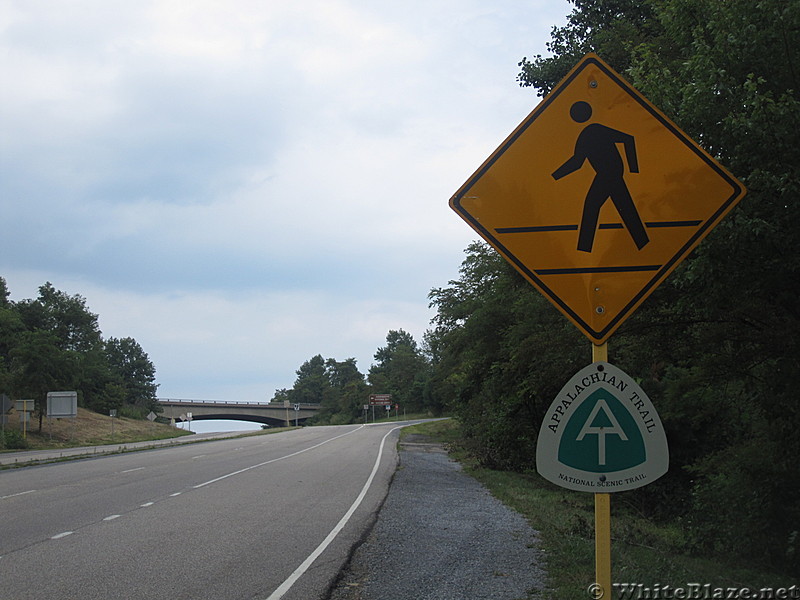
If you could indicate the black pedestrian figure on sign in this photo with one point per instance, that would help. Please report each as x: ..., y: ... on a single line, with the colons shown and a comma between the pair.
x: 597, y: 144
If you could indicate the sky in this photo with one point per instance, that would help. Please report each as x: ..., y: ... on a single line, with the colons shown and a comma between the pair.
x: 240, y: 185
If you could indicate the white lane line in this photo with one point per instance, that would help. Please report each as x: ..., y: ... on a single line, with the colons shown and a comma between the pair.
x: 299, y: 571
x: 198, y: 456
x: 61, y: 535
x: 175, y: 494
x: 17, y: 494
x: 132, y: 470
x: 146, y: 504
x: 274, y: 460
x: 112, y: 517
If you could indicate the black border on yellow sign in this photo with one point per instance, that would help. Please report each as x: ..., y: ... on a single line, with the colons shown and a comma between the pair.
x: 660, y: 272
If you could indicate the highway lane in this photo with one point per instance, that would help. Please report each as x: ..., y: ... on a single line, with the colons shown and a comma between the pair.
x: 225, y: 519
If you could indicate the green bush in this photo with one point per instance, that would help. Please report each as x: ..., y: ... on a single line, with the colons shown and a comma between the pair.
x: 131, y: 411
x: 744, y: 504
x: 13, y: 440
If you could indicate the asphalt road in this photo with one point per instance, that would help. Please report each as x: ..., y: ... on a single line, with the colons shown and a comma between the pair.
x: 262, y: 517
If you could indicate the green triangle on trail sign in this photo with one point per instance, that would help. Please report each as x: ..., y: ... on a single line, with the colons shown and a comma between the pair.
x: 601, y: 436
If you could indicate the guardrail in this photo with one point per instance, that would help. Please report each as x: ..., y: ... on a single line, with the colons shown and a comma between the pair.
x: 229, y: 402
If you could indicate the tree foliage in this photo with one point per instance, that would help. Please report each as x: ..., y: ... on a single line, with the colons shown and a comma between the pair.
x: 337, y: 386
x: 54, y: 342
x: 502, y: 352
x: 132, y: 371
x: 401, y: 369
x: 717, y: 346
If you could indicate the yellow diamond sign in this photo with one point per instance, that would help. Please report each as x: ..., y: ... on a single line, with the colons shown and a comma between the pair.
x: 596, y: 197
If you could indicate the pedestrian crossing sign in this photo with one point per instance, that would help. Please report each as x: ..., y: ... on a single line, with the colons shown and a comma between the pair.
x: 596, y: 197
x: 602, y: 434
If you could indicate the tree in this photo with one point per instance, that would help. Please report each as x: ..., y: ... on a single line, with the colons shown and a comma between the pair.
x: 91, y: 376
x: 347, y: 394
x: 67, y: 317
x: 130, y: 364
x: 400, y: 370
x: 312, y: 383
x: 337, y: 386
x: 4, y: 293
x: 11, y: 327
x: 39, y: 366
x: 502, y: 354
x: 54, y: 343
x: 722, y: 335
x: 281, y: 396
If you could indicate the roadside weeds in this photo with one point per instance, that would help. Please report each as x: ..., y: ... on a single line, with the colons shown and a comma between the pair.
x: 643, y: 552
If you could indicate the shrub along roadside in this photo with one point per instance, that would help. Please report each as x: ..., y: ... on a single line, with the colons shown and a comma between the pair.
x: 643, y: 552
x: 11, y: 439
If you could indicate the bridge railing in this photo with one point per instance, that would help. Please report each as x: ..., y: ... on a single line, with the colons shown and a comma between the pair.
x: 229, y: 402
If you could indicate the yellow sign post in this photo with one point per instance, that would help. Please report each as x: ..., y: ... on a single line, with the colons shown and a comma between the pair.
x: 24, y: 414
x: 595, y: 198
x: 602, y: 518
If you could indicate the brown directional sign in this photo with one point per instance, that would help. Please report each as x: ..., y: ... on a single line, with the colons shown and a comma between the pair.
x: 380, y: 400
x: 596, y: 197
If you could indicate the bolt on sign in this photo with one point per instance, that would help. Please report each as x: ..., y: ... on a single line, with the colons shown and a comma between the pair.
x: 602, y: 434
x: 596, y: 197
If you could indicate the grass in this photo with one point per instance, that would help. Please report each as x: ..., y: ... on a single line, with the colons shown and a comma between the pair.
x: 91, y: 429
x: 642, y: 551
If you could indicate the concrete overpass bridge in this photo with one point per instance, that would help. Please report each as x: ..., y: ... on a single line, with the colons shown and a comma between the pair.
x: 274, y: 415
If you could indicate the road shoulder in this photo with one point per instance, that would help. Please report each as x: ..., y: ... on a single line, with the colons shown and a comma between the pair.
x: 440, y: 535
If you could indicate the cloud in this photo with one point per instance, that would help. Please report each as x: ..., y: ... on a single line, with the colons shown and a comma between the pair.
x: 233, y: 345
x: 242, y: 184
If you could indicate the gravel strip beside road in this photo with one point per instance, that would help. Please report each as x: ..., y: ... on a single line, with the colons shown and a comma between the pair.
x: 441, y: 536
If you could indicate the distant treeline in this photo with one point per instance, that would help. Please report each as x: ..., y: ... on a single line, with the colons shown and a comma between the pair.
x: 54, y: 343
